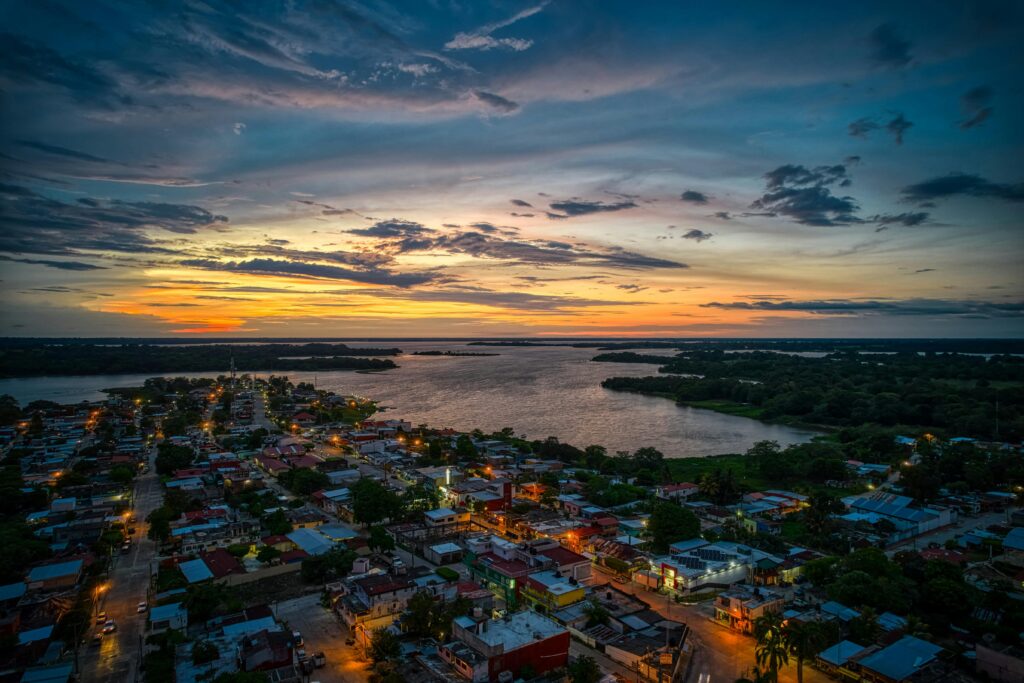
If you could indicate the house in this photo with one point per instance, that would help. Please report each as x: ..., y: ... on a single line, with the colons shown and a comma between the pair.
x: 835, y: 660
x: 221, y: 563
x: 549, y: 591
x: 482, y: 650
x: 164, y: 617
x: 446, y: 517
x: 905, y: 658
x: 681, y: 491
x: 265, y: 650
x: 444, y: 553
x: 741, y: 606
x: 55, y: 576
x: 376, y: 599
x: 195, y: 571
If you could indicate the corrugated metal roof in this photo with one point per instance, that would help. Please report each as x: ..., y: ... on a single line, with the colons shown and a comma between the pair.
x: 195, y: 571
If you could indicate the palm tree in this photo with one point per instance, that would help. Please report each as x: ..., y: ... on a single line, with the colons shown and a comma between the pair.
x: 804, y: 640
x: 771, y: 652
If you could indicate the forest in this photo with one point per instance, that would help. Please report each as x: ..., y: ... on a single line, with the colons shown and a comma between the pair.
x: 97, y: 359
x: 953, y: 394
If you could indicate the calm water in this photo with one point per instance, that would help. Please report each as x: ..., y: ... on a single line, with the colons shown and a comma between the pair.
x: 538, y: 391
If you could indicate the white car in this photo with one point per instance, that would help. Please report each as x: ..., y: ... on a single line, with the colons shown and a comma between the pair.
x: 142, y: 607
x: 110, y: 626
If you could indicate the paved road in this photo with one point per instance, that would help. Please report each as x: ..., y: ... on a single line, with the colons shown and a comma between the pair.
x: 116, y: 660
x: 322, y: 632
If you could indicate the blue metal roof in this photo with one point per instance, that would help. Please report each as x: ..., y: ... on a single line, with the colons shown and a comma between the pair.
x: 12, y: 591
x: 165, y: 612
x: 35, y: 634
x: 195, y: 571
x: 53, y: 571
x: 841, y: 652
x: 1015, y: 539
x: 901, y: 659
x: 839, y: 610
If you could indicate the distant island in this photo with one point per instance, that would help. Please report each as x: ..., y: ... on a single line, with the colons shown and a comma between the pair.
x: 451, y: 353
x: 961, y: 394
x: 94, y: 359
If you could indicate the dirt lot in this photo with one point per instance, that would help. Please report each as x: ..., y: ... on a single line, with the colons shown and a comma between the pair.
x: 322, y: 632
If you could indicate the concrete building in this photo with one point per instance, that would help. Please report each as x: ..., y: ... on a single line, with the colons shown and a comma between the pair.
x: 482, y: 650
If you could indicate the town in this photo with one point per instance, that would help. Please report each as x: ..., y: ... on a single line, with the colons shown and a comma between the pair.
x: 258, y: 530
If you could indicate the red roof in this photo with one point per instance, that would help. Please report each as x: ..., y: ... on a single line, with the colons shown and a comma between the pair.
x: 306, y: 462
x: 511, y: 568
x: 563, y: 556
x: 296, y: 555
x: 684, y: 486
x: 275, y: 539
x: 222, y: 563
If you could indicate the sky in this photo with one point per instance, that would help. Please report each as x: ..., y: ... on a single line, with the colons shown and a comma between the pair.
x: 547, y: 169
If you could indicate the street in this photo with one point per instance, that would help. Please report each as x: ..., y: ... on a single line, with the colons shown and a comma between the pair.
x: 118, y: 656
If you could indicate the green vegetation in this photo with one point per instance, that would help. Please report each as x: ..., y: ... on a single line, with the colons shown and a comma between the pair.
x: 961, y: 394
x: 372, y: 503
x: 670, y: 523
x: 331, y: 565
x: 584, y: 670
x: 304, y: 481
x: 384, y: 645
x: 426, y: 617
x: 170, y: 457
x: 27, y: 360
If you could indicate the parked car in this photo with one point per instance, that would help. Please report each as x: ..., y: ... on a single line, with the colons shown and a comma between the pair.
x: 143, y: 606
x: 297, y: 639
x: 110, y: 626
x: 320, y: 659
x: 101, y: 618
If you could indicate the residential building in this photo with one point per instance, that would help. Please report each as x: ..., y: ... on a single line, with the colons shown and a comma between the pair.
x: 481, y: 650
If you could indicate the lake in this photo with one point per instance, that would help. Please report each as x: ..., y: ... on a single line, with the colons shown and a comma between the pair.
x: 539, y: 391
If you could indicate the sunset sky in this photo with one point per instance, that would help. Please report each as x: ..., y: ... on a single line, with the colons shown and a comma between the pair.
x: 462, y: 168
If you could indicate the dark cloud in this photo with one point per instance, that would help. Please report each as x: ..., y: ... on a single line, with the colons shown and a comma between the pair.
x: 694, y: 197
x: 795, y: 175
x: 34, y: 224
x: 908, y: 219
x: 898, y: 126
x: 963, y: 184
x: 888, y: 48
x: 975, y: 105
x: 482, y: 245
x: 484, y: 226
x: 393, y: 228
x: 724, y: 215
x: 905, y: 307
x: 496, y: 101
x: 803, y: 194
x: 520, y: 202
x: 923, y: 270
x: 569, y: 208
x: 359, y: 259
x: 26, y: 62
x: 861, y: 127
x: 328, y: 210
x: 631, y: 288
x: 60, y: 265
x: 61, y: 151
x: 319, y: 271
x: 697, y: 235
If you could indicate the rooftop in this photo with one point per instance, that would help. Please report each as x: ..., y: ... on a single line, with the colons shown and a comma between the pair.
x: 519, y: 629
